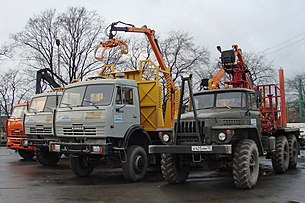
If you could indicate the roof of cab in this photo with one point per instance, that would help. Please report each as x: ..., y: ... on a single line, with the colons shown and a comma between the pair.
x: 225, y: 90
x: 47, y: 94
x: 103, y: 81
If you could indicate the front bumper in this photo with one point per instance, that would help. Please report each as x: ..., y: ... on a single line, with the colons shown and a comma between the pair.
x: 81, y: 148
x: 190, y: 149
x: 38, y: 142
x: 18, y: 143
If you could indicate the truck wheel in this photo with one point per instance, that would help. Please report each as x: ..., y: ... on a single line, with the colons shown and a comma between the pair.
x: 293, y: 151
x: 47, y: 158
x: 173, y: 169
x: 81, y: 166
x: 245, y: 164
x: 280, y: 158
x: 26, y: 154
x: 134, y: 169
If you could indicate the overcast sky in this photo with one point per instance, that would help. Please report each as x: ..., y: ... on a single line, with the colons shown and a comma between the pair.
x: 255, y: 25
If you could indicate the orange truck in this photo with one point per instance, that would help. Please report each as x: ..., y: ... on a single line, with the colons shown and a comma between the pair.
x: 15, y: 133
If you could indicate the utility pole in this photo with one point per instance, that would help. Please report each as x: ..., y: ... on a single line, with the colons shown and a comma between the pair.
x: 58, y: 57
x: 300, y: 101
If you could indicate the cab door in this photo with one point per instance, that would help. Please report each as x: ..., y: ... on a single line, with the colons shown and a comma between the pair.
x: 254, y: 112
x: 126, y: 110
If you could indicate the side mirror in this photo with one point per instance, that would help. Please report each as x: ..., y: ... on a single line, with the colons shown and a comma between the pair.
x: 258, y: 96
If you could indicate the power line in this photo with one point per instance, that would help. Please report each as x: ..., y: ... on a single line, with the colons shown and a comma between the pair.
x: 285, y: 46
x: 293, y: 38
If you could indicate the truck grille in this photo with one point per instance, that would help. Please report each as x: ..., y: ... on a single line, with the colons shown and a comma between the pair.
x: 80, y: 131
x: 187, y: 133
x: 187, y: 138
x: 189, y: 126
x: 41, y: 130
x: 232, y: 122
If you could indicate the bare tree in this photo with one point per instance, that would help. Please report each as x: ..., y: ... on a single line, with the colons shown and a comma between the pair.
x: 79, y: 32
x: 293, y: 88
x: 14, y: 89
x: 261, y: 69
x: 295, y: 92
x: 139, y: 49
x: 39, y: 39
x: 5, y: 51
x: 76, y: 32
x: 183, y: 56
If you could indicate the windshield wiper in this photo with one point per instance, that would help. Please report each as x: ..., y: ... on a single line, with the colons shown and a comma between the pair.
x: 34, y: 110
x: 227, y: 106
x: 46, y: 107
x: 68, y: 105
x: 90, y: 102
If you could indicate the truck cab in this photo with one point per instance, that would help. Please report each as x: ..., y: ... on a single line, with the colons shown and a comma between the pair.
x: 99, y: 121
x: 221, y: 113
x: 97, y: 112
x: 15, y: 132
x: 38, y: 126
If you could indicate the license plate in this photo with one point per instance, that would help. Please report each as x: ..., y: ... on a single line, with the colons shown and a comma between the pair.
x: 202, y: 148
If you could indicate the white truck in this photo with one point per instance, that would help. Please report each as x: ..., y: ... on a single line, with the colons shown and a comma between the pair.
x: 38, y: 125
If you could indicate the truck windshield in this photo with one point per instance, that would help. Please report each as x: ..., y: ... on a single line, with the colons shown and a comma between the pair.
x: 37, y: 104
x: 231, y: 99
x: 223, y: 99
x: 91, y: 95
x: 51, y: 103
x: 72, y: 97
x: 18, y: 112
x: 99, y: 95
x: 204, y: 101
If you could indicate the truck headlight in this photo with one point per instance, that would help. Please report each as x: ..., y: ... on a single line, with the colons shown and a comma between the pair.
x: 166, y: 137
x: 97, y: 149
x: 222, y: 136
x: 55, y: 148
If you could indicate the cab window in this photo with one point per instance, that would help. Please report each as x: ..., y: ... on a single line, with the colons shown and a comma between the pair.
x: 124, y: 95
x: 100, y: 95
x: 253, y: 101
x: 37, y: 104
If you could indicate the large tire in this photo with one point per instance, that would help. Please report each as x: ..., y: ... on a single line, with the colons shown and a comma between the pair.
x: 135, y: 167
x: 47, y: 158
x: 280, y: 158
x: 174, y: 170
x: 293, y: 151
x: 81, y: 165
x: 245, y: 164
x: 26, y: 154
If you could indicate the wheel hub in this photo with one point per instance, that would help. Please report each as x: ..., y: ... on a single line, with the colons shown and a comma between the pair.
x: 138, y: 163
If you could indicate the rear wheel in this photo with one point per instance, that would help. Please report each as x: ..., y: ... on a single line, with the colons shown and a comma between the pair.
x: 245, y: 164
x: 135, y: 167
x: 293, y: 151
x: 173, y: 168
x: 280, y: 158
x: 81, y: 165
x: 26, y: 154
x: 47, y: 158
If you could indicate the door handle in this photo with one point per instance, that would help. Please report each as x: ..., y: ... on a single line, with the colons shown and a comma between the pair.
x: 134, y: 116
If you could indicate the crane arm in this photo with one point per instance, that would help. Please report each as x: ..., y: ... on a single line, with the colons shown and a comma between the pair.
x: 150, y: 34
x: 241, y: 63
x: 215, y: 80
